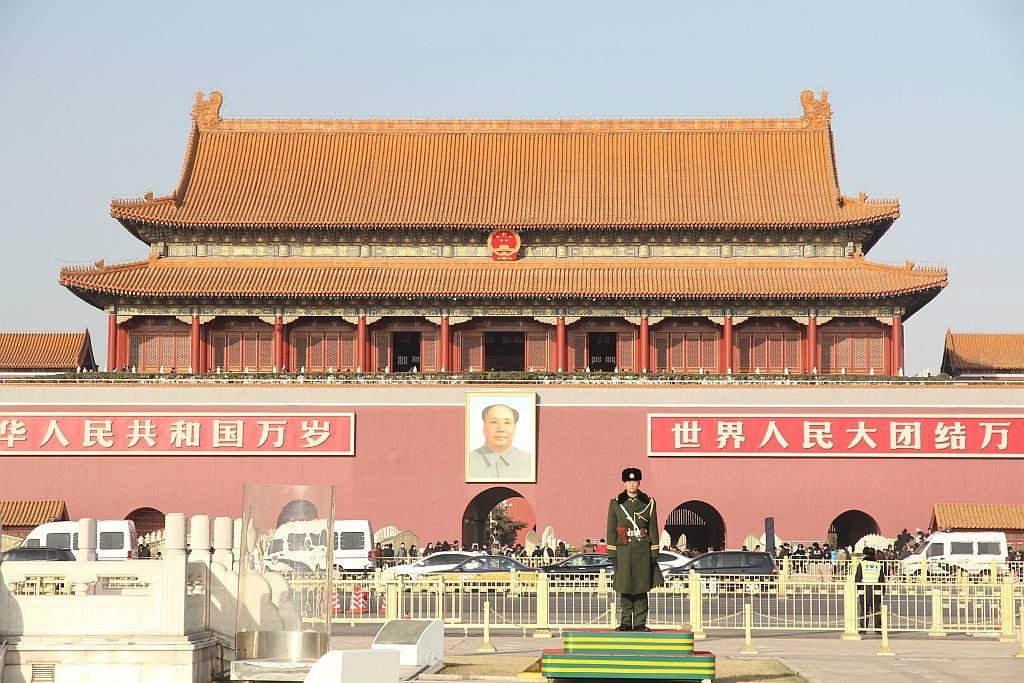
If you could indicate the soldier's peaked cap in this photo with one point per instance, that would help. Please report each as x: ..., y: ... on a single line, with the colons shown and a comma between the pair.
x: 631, y: 474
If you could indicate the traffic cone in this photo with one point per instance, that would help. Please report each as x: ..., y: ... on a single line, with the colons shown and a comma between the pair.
x: 357, y: 604
x: 336, y: 602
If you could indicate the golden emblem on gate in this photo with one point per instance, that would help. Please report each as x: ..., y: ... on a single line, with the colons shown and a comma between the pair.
x: 504, y: 244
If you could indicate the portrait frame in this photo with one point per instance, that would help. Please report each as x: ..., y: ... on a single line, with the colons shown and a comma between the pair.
x: 523, y: 445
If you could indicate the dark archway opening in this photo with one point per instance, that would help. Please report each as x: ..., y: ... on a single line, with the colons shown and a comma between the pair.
x: 490, y: 505
x: 702, y: 524
x: 850, y: 527
x: 505, y: 351
x: 147, y: 520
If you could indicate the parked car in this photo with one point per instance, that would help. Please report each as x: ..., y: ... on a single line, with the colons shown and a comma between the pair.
x: 116, y: 539
x: 38, y: 552
x: 730, y: 562
x: 482, y: 565
x: 585, y: 563
x: 668, y: 560
x: 437, y: 562
x: 949, y: 552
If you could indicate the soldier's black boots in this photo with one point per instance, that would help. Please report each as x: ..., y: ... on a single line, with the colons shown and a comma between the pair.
x: 623, y: 627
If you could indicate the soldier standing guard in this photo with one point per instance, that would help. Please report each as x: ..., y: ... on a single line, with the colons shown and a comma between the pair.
x: 633, y: 550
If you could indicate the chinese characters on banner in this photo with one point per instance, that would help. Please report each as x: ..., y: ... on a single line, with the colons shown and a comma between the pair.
x: 823, y: 434
x: 198, y: 432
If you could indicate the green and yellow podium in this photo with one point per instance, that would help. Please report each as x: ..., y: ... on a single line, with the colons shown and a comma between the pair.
x: 615, y: 655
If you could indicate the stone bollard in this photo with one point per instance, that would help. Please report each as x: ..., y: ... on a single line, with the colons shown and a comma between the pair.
x: 87, y: 539
x: 223, y: 541
x: 199, y: 539
x: 174, y: 534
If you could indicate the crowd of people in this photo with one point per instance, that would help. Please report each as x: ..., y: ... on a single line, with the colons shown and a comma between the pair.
x: 802, y: 557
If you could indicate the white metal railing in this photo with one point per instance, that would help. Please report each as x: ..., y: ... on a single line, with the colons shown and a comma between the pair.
x: 538, y: 602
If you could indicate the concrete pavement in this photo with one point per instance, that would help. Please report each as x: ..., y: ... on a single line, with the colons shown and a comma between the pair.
x: 818, y: 657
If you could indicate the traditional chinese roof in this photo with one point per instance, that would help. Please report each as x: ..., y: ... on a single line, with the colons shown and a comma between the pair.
x: 717, y: 173
x: 655, y: 278
x: 32, y: 512
x: 983, y: 352
x: 984, y: 516
x: 46, y: 351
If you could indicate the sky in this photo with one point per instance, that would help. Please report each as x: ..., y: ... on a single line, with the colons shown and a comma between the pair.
x: 928, y: 102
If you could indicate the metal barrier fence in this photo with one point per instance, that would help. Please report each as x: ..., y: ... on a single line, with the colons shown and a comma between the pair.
x: 541, y: 603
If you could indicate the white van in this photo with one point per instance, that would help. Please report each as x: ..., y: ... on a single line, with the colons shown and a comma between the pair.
x: 115, y: 538
x: 302, y: 546
x: 950, y: 551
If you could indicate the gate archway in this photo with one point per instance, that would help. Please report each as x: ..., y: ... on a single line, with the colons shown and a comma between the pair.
x: 700, y: 521
x: 475, y: 518
x: 147, y: 520
x: 850, y: 527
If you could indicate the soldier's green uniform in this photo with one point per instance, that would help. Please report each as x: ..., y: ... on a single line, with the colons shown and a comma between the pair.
x: 633, y: 549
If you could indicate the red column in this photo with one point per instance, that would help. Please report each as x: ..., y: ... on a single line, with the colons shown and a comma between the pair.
x: 812, y: 343
x: 446, y: 347
x: 122, y: 345
x: 204, y: 348
x: 725, y: 363
x: 278, y: 342
x: 112, y: 334
x: 361, y: 344
x: 645, y: 333
x: 897, y: 343
x: 196, y: 342
x: 560, y: 343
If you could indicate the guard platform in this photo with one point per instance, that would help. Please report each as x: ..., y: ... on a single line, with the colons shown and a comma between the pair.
x: 624, y: 655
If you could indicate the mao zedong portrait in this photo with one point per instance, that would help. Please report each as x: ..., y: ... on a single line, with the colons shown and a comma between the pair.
x: 497, y: 458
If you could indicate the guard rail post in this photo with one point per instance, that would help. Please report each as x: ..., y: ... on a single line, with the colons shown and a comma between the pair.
x: 936, y: 631
x: 922, y: 574
x: 1006, y: 614
x: 885, y: 650
x: 543, y: 616
x: 487, y: 645
x: 748, y: 625
x: 783, y: 586
x: 850, y: 631
x: 393, y: 592
x: 1020, y: 652
x: 696, y: 606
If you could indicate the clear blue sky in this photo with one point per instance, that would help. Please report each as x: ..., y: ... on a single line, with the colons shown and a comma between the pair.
x: 928, y: 100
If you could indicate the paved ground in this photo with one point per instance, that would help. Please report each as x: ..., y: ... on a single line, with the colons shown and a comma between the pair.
x: 820, y: 658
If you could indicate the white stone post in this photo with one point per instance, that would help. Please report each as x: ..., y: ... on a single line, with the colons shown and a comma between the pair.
x: 172, y: 595
x: 236, y: 543
x: 223, y: 541
x: 199, y: 539
x: 87, y: 539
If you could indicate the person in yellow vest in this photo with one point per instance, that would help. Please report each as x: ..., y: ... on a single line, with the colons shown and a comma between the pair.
x: 633, y: 550
x: 870, y: 573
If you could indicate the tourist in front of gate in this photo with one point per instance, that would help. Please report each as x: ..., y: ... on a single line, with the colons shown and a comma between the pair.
x: 870, y: 573
x: 633, y: 526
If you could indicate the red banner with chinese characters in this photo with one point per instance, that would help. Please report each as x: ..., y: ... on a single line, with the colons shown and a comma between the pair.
x: 150, y: 431
x: 817, y: 434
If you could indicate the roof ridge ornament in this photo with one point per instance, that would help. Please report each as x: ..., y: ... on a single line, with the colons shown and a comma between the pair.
x: 817, y: 113
x: 206, y: 112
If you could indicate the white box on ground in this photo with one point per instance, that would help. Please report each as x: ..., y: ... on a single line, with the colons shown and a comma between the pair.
x: 420, y: 641
x: 355, y: 666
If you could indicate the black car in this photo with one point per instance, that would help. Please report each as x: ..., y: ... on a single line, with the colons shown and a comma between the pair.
x: 585, y: 563
x: 746, y: 562
x: 29, y: 554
